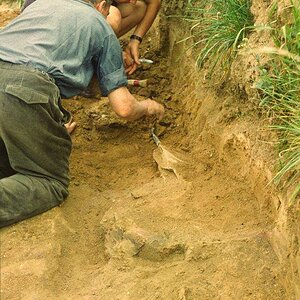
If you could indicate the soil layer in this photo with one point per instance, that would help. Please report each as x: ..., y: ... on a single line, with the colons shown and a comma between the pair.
x: 198, y: 223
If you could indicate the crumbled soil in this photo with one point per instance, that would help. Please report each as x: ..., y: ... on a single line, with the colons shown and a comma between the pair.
x: 136, y: 226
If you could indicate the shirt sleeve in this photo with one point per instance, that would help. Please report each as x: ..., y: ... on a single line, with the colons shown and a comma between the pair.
x: 110, y: 69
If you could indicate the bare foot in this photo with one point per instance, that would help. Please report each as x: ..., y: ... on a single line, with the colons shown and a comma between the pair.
x: 70, y: 126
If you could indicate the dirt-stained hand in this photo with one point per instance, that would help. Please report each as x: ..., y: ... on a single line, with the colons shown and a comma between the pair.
x: 155, y: 109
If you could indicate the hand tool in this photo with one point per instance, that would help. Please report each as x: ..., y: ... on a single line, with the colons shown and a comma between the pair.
x: 146, y: 61
x: 135, y: 82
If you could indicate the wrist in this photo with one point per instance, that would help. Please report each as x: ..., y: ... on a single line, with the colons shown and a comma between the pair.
x: 135, y: 37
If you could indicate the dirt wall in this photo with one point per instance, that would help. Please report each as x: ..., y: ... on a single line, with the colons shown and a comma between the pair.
x: 226, y: 114
x: 138, y: 225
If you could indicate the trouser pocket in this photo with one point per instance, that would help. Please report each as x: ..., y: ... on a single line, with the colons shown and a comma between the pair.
x: 27, y: 94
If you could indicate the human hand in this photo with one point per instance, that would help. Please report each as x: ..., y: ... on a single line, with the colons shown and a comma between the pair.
x: 128, y: 62
x: 132, y: 50
x: 70, y: 126
x: 154, y: 109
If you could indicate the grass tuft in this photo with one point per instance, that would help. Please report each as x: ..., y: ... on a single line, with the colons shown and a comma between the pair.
x: 219, y: 29
x: 279, y: 85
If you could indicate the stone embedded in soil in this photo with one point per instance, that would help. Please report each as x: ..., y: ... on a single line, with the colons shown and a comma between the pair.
x: 125, y: 239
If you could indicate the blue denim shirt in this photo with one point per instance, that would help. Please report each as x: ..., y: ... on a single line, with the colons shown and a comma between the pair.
x: 69, y: 40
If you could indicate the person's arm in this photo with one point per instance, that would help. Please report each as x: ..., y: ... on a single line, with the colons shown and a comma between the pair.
x: 128, y: 108
x: 142, y: 28
x: 152, y: 10
x: 113, y: 81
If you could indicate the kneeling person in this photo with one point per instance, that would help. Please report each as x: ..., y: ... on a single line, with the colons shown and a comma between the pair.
x: 51, y: 50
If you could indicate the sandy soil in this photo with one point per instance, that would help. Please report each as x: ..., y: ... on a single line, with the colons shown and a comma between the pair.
x: 138, y: 226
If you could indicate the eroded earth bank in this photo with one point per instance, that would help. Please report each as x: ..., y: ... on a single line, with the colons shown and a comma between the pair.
x: 192, y: 218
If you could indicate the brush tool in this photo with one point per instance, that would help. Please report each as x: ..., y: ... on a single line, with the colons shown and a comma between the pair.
x: 135, y: 82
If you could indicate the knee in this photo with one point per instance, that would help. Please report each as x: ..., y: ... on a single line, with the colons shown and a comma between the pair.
x: 140, y: 10
x: 114, y: 19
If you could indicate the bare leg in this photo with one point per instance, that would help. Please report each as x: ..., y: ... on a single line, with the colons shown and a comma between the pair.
x: 131, y: 16
x: 114, y: 19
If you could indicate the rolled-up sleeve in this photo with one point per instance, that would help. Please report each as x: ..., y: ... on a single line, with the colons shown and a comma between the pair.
x: 110, y: 69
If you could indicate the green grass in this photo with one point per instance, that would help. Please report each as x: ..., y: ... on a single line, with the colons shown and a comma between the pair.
x: 288, y: 36
x: 218, y: 29
x: 18, y: 2
x: 279, y: 86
